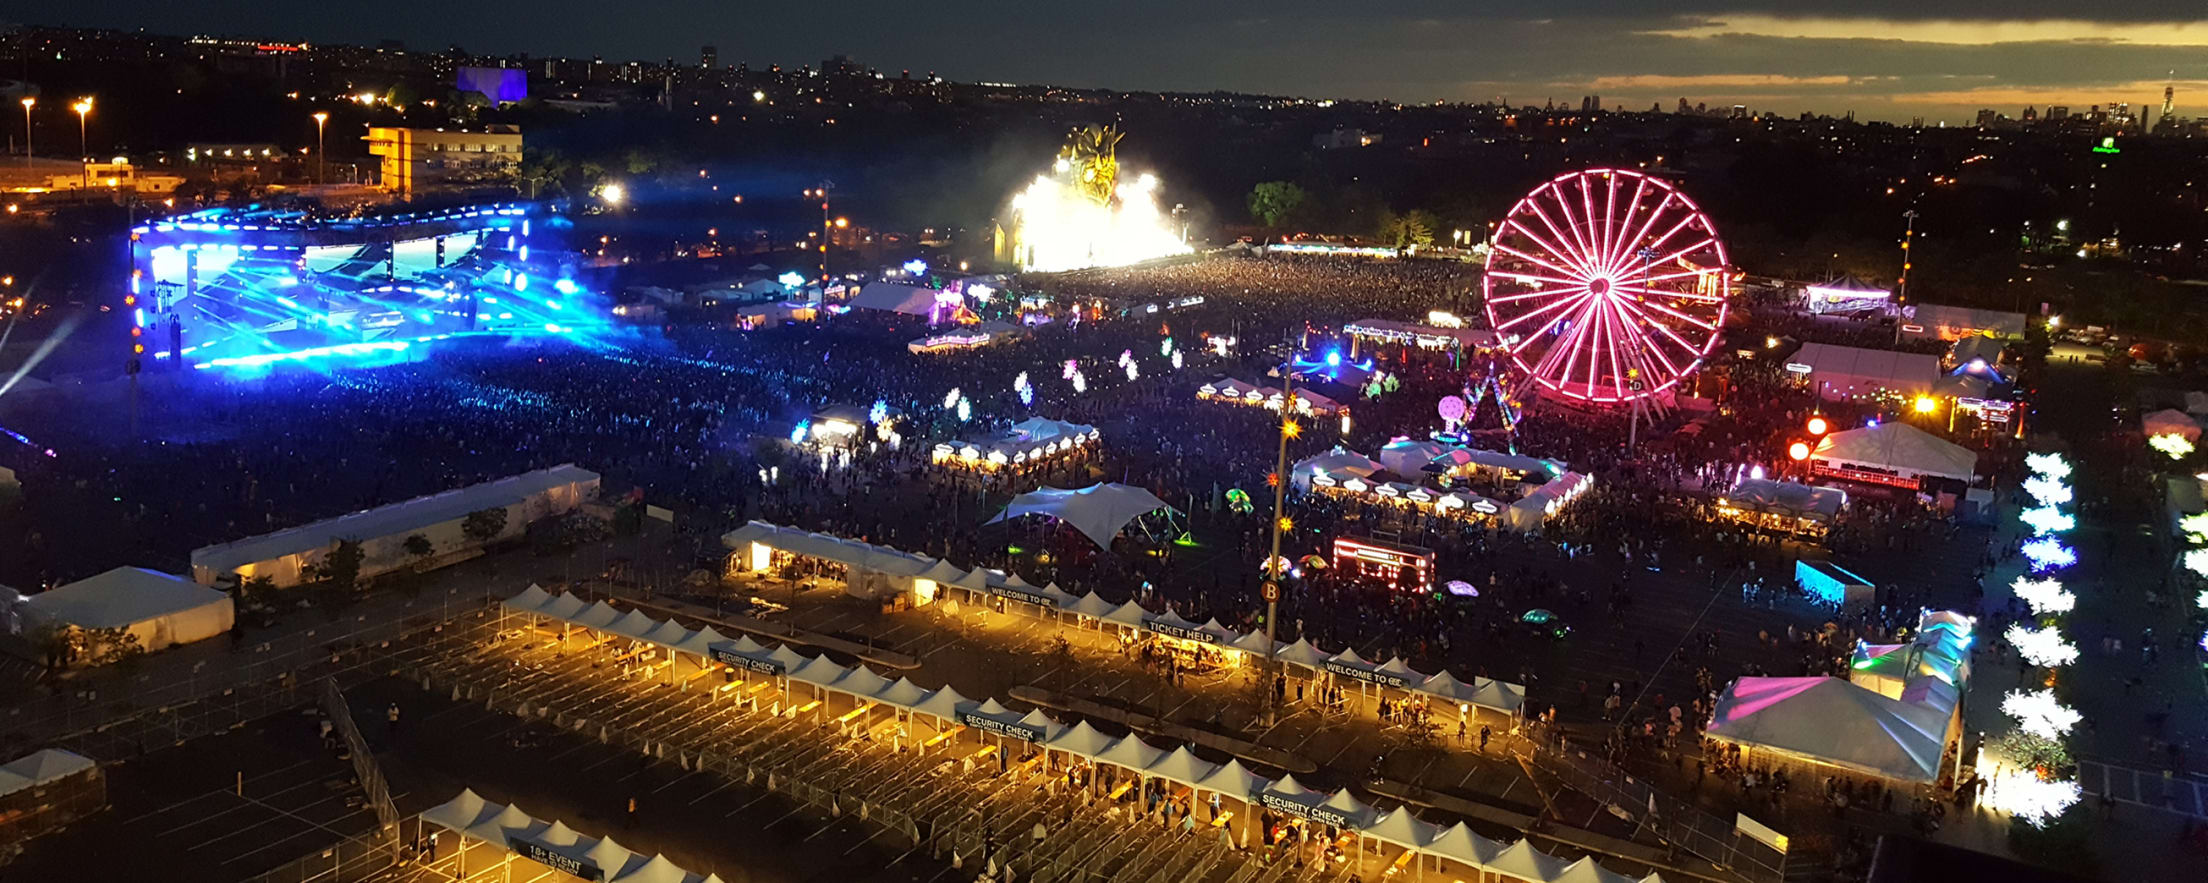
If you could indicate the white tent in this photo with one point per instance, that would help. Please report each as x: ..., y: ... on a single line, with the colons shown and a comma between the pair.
x: 1895, y: 448
x: 1841, y: 372
x: 895, y: 297
x: 1832, y: 721
x: 40, y: 768
x: 2170, y: 422
x: 1098, y: 511
x: 161, y: 609
x: 1408, y: 457
x: 473, y: 817
x: 1789, y: 498
x: 1336, y: 464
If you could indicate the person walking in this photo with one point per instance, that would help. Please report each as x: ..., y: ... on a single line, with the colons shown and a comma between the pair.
x: 391, y: 724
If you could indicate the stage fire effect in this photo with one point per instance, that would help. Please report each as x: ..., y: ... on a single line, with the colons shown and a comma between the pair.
x: 1084, y: 214
x: 249, y: 290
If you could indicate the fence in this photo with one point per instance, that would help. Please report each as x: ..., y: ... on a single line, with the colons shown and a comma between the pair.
x: 364, y: 763
x: 1676, y: 821
x: 356, y: 859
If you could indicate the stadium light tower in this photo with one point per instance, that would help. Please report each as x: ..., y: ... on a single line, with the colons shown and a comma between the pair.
x: 28, y: 103
x: 321, y: 164
x: 83, y: 107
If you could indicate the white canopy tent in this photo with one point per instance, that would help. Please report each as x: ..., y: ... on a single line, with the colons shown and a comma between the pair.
x: 1893, y: 449
x: 1337, y: 464
x: 552, y: 843
x: 896, y: 297
x: 160, y: 609
x: 1099, y: 511
x: 1831, y: 721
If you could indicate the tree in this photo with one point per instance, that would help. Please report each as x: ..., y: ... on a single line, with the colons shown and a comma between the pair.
x: 1272, y: 203
x: 341, y: 567
x: 1412, y: 229
x: 418, y: 546
x: 484, y: 525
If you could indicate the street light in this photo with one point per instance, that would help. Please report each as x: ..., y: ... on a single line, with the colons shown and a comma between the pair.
x: 83, y: 107
x: 28, y: 103
x: 321, y: 165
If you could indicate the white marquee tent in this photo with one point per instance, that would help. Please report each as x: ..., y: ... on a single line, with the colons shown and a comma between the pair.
x: 1098, y: 511
x: 1898, y: 449
x: 1831, y: 721
x: 162, y: 609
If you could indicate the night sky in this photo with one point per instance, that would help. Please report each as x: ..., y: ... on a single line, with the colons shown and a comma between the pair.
x: 1883, y: 59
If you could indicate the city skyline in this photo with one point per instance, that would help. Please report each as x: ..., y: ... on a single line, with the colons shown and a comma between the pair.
x: 1938, y: 60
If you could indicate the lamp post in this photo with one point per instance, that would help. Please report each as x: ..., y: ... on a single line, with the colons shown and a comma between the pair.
x: 83, y: 107
x: 1273, y: 570
x: 28, y: 103
x: 320, y: 164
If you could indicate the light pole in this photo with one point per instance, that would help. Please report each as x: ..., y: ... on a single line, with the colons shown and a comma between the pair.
x: 320, y: 164
x: 83, y: 107
x: 1908, y: 233
x: 28, y: 103
x: 1274, y: 572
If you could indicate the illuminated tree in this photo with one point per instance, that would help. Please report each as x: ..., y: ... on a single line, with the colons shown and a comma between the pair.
x: 1272, y: 203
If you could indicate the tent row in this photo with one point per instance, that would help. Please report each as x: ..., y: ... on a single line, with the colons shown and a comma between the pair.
x: 490, y: 822
x: 553, y: 844
x: 1526, y: 513
x: 1027, y: 441
x: 1238, y: 392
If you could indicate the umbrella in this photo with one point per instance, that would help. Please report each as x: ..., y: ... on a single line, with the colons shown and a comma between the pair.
x: 1460, y: 587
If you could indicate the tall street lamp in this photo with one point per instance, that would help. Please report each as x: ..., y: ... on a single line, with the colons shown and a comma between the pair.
x: 83, y: 107
x: 320, y: 167
x: 28, y: 103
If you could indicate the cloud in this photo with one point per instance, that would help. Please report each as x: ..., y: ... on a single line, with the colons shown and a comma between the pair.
x: 1949, y: 32
x: 1715, y: 81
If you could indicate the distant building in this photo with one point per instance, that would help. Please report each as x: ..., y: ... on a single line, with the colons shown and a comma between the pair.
x: 1344, y: 138
x: 2057, y: 113
x: 419, y: 160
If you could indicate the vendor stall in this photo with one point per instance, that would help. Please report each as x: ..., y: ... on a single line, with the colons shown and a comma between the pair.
x: 1033, y: 440
x: 1786, y: 507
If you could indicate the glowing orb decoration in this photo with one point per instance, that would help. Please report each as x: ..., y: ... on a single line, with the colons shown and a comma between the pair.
x: 1027, y: 395
x: 1073, y: 366
x: 2201, y: 600
x: 2048, y: 465
x: 2038, y: 712
x: 1080, y: 382
x: 1176, y: 360
x: 791, y: 279
x: 800, y: 431
x: 2045, y: 595
x: 2195, y: 527
x: 2172, y: 444
x: 965, y: 410
x: 1165, y: 347
x: 916, y: 267
x: 1798, y: 451
x: 2041, y: 647
x: 950, y: 400
x: 879, y: 412
x: 2048, y: 553
x: 1607, y: 285
x: 1451, y: 408
x: 1126, y: 356
x: 2048, y: 491
x: 1132, y: 372
x: 1462, y: 589
x: 2045, y: 520
x: 1818, y: 425
x: 1085, y: 214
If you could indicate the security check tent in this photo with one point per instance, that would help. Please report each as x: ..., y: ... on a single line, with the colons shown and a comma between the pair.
x: 553, y: 844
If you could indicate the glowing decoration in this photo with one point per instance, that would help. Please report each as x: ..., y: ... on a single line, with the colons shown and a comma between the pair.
x: 2045, y: 647
x: 1027, y: 396
x: 565, y: 286
x: 2045, y: 520
x: 1239, y: 501
x: 1818, y: 425
x: 1165, y: 347
x: 2023, y: 794
x: 1927, y: 404
x: 1080, y: 382
x: 950, y: 400
x: 2172, y: 444
x: 2196, y: 560
x: 1451, y: 409
x: 2195, y: 527
x: 1073, y: 366
x: 800, y: 431
x: 1798, y: 451
x: 521, y: 282
x: 879, y: 413
x: 1334, y: 358
x: 2048, y: 465
x: 1461, y: 589
x: 1176, y: 360
x: 613, y: 194
x: 2048, y: 491
x: 791, y: 279
x: 1084, y: 214
x: 2048, y: 553
x: 2038, y: 712
x: 1345, y: 422
x: 1132, y: 372
x: 2201, y: 600
x: 1126, y: 357
x: 2044, y: 595
x: 965, y: 411
x: 1612, y: 284
x: 916, y: 267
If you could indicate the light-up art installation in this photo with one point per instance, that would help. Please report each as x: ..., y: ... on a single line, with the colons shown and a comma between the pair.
x: 1085, y: 214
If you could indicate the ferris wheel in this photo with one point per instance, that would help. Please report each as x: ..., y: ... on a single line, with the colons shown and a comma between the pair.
x: 1606, y: 285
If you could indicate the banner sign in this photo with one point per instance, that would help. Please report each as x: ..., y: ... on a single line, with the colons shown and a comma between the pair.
x: 762, y: 666
x: 988, y: 724
x: 1370, y: 676
x: 1182, y: 632
x: 1023, y: 595
x: 557, y: 861
x: 1314, y: 812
